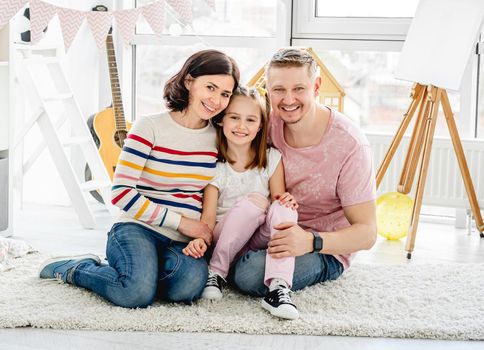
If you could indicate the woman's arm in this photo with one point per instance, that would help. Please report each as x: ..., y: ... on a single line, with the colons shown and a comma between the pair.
x: 125, y: 195
x: 209, y: 206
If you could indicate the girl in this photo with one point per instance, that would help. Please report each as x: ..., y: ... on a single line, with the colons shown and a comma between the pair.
x: 237, y: 199
x: 166, y: 161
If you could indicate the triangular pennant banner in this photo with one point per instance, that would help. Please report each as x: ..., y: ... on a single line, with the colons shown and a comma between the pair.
x: 40, y: 15
x: 126, y: 23
x: 99, y: 22
x: 211, y: 3
x: 70, y: 22
x: 8, y: 9
x: 155, y: 16
x: 184, y: 9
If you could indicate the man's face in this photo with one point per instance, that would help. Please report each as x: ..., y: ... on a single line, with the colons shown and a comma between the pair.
x: 292, y: 92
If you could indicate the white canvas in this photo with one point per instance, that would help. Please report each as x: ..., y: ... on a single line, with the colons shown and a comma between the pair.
x: 440, y: 41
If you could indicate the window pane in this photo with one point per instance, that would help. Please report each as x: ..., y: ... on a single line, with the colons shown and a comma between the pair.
x: 480, y: 121
x: 374, y: 99
x: 368, y: 8
x: 231, y: 17
x: 156, y: 64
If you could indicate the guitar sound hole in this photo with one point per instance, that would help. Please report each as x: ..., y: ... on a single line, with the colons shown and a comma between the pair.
x: 119, y: 137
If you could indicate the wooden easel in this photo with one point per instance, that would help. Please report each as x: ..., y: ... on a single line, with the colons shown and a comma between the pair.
x: 426, y: 100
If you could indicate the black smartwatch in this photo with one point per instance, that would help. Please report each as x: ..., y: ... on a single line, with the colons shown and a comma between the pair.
x: 317, y: 242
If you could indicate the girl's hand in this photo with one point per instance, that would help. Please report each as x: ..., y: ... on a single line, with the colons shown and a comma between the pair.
x: 195, y: 229
x: 196, y: 248
x: 287, y: 200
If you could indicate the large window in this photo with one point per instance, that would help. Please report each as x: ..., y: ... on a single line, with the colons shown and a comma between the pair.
x: 480, y: 119
x: 247, y: 30
x: 156, y: 64
x: 368, y: 8
x: 358, y: 42
x: 230, y: 18
x: 352, y: 19
x: 374, y: 98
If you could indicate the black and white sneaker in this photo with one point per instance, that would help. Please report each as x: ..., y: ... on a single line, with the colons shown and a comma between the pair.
x: 279, y: 303
x: 213, y: 288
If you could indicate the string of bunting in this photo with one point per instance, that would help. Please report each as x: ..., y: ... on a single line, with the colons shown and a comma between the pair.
x: 41, y: 13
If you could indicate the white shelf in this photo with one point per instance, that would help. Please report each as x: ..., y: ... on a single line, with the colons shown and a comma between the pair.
x: 3, y: 64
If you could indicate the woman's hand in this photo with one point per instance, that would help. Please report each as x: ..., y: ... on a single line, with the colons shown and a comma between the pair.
x: 195, y: 229
x: 196, y: 248
x: 287, y: 200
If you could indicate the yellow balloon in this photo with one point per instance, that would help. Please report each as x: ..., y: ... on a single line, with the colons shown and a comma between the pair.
x: 393, y: 215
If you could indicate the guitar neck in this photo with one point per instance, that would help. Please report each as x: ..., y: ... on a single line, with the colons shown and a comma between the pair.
x: 120, y: 122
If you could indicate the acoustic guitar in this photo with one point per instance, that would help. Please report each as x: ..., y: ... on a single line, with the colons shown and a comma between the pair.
x: 109, y: 127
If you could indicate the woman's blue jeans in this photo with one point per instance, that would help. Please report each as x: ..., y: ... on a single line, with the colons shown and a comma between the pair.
x: 143, y: 264
x: 248, y: 272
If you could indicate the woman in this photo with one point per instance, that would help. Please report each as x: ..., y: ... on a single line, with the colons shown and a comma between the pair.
x: 166, y: 162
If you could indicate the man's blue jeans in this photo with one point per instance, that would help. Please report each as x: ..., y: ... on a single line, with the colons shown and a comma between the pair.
x: 143, y: 264
x: 248, y: 272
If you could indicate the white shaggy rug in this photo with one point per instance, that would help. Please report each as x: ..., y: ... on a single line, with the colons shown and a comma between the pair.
x: 412, y: 301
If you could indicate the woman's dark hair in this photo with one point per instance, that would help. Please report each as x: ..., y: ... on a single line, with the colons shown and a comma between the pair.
x: 206, y: 62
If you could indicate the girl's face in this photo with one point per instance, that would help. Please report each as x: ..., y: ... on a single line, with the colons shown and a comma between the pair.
x: 242, y: 120
x: 208, y: 94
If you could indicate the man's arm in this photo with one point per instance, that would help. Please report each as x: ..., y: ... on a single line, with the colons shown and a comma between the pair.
x: 292, y: 240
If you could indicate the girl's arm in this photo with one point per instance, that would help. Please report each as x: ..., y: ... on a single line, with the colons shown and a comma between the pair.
x: 277, y: 186
x: 209, y: 206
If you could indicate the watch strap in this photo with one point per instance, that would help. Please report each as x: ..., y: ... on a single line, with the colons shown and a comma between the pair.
x: 317, y: 241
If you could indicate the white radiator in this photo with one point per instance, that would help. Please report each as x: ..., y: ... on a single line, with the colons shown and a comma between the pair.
x: 444, y: 185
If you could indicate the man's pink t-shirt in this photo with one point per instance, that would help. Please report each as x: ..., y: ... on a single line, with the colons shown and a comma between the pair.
x: 326, y: 177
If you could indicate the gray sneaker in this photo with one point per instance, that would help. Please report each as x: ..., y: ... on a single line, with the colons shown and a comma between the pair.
x: 60, y: 267
x: 213, y: 287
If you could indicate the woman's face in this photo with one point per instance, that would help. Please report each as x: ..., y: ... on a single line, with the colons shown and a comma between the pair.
x: 208, y: 94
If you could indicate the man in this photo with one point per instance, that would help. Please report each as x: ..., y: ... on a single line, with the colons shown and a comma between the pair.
x: 328, y: 169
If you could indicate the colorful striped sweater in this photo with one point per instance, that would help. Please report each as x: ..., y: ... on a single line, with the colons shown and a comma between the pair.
x: 161, y: 173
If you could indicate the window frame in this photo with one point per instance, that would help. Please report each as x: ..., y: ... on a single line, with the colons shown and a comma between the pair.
x: 307, y: 25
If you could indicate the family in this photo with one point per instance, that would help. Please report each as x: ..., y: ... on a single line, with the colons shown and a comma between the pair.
x: 265, y: 190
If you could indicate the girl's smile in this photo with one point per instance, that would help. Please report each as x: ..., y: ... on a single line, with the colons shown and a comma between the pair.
x: 242, y: 120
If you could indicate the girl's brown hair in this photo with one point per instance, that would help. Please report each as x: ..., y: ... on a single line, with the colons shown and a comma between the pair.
x: 206, y: 62
x: 259, y: 143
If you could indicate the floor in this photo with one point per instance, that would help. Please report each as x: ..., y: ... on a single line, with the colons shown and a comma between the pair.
x: 55, y: 230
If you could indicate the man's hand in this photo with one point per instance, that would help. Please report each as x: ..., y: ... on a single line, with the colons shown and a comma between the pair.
x: 195, y: 229
x: 195, y: 248
x: 291, y: 240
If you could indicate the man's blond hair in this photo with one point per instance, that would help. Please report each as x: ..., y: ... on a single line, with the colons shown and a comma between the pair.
x: 292, y: 57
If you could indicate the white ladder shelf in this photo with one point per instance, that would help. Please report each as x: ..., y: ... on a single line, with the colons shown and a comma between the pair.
x: 28, y: 61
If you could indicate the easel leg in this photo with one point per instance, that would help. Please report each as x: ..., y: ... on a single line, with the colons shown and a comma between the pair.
x: 431, y: 120
x: 415, y: 147
x: 464, y: 169
x: 416, y: 95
